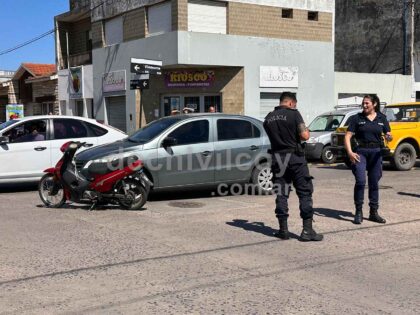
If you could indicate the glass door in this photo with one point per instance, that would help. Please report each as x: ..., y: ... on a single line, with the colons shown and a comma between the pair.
x: 212, y: 102
x: 171, y: 104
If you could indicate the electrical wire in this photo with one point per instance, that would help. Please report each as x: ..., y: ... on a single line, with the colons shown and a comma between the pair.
x: 9, y: 50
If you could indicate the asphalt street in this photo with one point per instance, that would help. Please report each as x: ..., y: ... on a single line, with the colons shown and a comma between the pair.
x: 196, y: 253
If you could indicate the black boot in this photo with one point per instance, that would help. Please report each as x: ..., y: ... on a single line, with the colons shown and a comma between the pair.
x: 308, y: 233
x: 375, y: 217
x: 283, y: 232
x: 358, y: 217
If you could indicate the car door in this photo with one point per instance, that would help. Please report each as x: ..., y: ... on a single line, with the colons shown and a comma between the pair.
x: 69, y: 129
x: 191, y: 160
x: 28, y: 152
x: 238, y: 144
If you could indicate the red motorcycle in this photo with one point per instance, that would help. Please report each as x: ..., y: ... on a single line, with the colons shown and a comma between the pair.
x: 125, y: 185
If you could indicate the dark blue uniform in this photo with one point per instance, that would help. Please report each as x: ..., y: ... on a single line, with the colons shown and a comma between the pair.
x: 368, y: 135
x: 289, y: 165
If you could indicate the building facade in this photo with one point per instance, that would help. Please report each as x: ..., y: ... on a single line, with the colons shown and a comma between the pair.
x: 235, y: 55
x: 376, y: 49
x: 32, y: 85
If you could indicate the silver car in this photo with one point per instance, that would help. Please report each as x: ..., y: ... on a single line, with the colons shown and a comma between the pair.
x: 318, y: 147
x: 192, y: 150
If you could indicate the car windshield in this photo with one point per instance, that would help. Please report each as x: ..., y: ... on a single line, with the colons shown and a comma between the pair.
x: 326, y: 123
x: 403, y: 113
x: 8, y: 123
x: 153, y: 129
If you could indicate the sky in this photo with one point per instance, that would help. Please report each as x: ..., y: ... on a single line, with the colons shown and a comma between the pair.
x: 22, y: 20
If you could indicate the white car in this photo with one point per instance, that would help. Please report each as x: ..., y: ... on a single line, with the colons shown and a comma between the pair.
x: 30, y: 145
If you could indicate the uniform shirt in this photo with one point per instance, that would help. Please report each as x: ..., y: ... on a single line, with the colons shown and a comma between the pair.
x: 281, y: 126
x: 367, y: 131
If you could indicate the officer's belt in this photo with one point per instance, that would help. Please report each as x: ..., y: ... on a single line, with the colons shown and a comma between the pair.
x: 369, y: 145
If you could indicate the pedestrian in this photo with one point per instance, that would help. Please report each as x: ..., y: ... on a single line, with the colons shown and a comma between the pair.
x: 212, y: 109
x: 286, y: 129
x: 367, y: 129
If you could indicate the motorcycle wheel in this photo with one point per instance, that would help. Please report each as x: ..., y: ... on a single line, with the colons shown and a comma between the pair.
x: 136, y: 191
x: 45, y: 187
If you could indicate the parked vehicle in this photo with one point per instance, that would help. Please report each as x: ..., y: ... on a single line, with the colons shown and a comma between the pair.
x: 318, y: 147
x: 125, y: 185
x: 31, y: 144
x: 194, y: 150
x: 405, y: 129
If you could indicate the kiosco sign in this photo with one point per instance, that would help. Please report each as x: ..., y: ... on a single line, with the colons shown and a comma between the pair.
x: 189, y: 78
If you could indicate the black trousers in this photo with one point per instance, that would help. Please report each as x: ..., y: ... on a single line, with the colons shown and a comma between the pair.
x: 290, y: 169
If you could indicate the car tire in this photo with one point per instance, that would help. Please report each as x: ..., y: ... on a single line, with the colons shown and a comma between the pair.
x: 404, y: 157
x: 327, y: 155
x: 262, y: 179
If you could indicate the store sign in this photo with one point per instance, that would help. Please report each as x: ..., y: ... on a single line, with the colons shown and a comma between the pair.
x: 14, y: 111
x: 189, y: 79
x: 114, y: 81
x: 271, y: 76
x: 76, y: 83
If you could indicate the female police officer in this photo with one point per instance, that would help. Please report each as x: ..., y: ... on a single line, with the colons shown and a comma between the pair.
x: 367, y: 128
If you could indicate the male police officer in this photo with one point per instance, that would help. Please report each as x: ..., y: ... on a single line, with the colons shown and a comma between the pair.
x: 285, y: 128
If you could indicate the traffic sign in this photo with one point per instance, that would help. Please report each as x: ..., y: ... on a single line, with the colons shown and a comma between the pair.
x: 140, y: 66
x: 139, y: 84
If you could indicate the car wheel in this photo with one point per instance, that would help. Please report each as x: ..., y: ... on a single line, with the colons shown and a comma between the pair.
x: 404, y: 157
x: 261, y: 179
x: 51, y: 193
x: 328, y: 155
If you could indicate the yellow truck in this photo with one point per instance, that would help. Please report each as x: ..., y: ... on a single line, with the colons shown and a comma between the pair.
x: 405, y: 129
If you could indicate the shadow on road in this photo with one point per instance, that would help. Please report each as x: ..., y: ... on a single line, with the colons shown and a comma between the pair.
x: 333, y: 213
x: 21, y: 187
x: 177, y: 195
x: 408, y: 194
x: 258, y: 227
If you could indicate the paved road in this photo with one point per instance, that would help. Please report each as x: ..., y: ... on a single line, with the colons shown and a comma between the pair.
x: 198, y: 253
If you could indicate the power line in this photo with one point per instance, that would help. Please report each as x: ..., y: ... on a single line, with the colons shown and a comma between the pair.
x: 46, y: 33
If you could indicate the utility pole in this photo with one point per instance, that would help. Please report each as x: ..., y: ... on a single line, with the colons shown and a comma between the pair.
x: 405, y: 33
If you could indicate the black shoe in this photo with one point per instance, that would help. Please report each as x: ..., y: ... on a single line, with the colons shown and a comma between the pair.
x: 308, y: 233
x: 283, y: 232
x: 358, y: 217
x: 375, y: 217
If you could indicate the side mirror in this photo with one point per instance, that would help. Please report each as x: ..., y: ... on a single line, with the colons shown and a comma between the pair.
x: 4, y: 140
x: 169, y: 141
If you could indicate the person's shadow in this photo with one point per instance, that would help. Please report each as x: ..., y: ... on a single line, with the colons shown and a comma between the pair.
x: 333, y: 213
x: 408, y: 194
x: 258, y: 227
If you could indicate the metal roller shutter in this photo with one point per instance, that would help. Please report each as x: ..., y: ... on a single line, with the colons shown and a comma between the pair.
x: 267, y: 103
x: 116, y: 112
x: 206, y: 16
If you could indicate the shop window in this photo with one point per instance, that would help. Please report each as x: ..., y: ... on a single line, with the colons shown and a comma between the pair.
x: 207, y: 16
x: 417, y: 96
x: 212, y: 101
x: 159, y: 18
x: 287, y: 13
x: 79, y: 108
x: 114, y: 31
x: 192, y: 132
x: 313, y: 16
x: 235, y: 129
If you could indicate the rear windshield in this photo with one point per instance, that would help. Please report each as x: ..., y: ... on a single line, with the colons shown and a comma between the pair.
x: 8, y: 123
x: 153, y: 129
x: 403, y: 113
x: 326, y: 123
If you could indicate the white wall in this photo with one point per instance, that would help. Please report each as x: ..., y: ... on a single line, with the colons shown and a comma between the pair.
x: 391, y: 88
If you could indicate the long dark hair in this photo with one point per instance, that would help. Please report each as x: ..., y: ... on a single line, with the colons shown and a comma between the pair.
x: 375, y: 100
